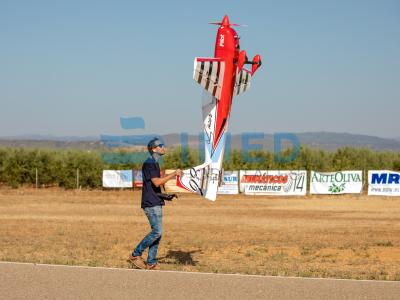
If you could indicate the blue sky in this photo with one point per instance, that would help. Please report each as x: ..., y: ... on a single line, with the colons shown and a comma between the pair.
x: 76, y: 67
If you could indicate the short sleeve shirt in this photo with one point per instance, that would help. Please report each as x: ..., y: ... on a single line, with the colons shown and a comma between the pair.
x: 150, y: 169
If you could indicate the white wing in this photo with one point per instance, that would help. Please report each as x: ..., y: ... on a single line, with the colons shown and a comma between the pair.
x: 242, y: 82
x: 209, y: 73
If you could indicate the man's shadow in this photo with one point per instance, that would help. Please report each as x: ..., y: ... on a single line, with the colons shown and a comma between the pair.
x: 179, y: 258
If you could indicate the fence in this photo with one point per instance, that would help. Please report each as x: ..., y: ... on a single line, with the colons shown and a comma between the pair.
x: 279, y: 182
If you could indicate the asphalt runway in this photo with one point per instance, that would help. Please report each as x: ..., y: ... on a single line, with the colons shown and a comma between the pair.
x: 37, y: 281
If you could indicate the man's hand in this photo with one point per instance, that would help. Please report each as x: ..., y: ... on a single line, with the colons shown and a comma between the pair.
x: 160, y: 181
x: 167, y: 197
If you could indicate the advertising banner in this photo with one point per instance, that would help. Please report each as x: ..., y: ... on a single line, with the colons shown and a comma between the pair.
x: 278, y: 183
x: 383, y: 183
x: 117, y: 178
x: 137, y: 178
x: 342, y: 182
x: 230, y: 183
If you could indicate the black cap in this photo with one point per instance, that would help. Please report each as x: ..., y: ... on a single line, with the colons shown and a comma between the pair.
x: 154, y: 143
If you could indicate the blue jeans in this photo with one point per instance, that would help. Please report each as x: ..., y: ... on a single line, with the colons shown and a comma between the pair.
x: 152, y: 239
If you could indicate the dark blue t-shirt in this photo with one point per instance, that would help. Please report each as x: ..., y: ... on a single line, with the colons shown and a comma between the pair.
x: 150, y: 169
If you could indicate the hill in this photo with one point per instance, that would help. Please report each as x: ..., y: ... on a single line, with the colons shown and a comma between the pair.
x: 322, y: 140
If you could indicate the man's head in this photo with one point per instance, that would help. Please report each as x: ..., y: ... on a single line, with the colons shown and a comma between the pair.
x: 156, y: 146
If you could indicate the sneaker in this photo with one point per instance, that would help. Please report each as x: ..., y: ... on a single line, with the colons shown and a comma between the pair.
x: 137, y: 261
x: 153, y: 267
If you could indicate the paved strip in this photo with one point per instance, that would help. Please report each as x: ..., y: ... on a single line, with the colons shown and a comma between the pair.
x: 37, y: 281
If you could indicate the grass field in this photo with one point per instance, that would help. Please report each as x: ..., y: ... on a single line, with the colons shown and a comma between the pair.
x: 331, y: 236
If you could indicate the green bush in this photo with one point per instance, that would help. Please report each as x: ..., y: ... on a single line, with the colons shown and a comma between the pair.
x: 59, y: 167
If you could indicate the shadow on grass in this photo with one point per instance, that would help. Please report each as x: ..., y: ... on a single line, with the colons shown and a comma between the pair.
x: 179, y: 258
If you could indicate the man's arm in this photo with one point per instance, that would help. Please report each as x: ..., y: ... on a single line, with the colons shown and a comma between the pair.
x: 157, y: 181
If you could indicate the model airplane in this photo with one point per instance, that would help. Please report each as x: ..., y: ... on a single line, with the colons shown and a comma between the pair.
x: 222, y: 76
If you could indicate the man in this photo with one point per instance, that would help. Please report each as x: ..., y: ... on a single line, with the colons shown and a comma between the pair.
x: 152, y: 204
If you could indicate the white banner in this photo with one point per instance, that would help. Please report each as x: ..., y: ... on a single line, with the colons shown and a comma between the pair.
x: 230, y: 183
x: 342, y: 182
x: 283, y: 183
x: 383, y: 183
x: 117, y: 178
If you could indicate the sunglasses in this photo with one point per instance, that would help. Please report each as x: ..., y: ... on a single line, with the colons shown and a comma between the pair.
x: 161, y: 146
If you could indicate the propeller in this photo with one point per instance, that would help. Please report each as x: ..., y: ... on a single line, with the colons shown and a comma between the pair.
x: 234, y: 24
x: 225, y: 22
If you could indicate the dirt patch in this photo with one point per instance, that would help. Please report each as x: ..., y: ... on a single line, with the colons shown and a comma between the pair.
x: 344, y: 237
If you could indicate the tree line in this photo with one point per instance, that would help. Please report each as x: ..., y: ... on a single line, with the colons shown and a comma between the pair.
x: 21, y: 166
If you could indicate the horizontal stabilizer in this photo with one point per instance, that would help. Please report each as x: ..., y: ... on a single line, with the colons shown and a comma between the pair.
x: 202, y: 180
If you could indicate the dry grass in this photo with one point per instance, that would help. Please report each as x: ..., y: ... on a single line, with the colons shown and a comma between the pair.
x: 331, y: 236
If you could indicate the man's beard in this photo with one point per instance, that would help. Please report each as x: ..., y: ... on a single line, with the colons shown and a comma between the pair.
x: 156, y: 155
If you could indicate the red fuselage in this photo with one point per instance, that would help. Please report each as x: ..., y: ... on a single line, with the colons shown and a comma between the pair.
x: 226, y: 48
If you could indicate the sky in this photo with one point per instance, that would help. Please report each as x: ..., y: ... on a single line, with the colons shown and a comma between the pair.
x: 77, y: 67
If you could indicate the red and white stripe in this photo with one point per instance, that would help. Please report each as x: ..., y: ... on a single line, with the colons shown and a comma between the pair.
x: 209, y: 73
x: 242, y: 82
